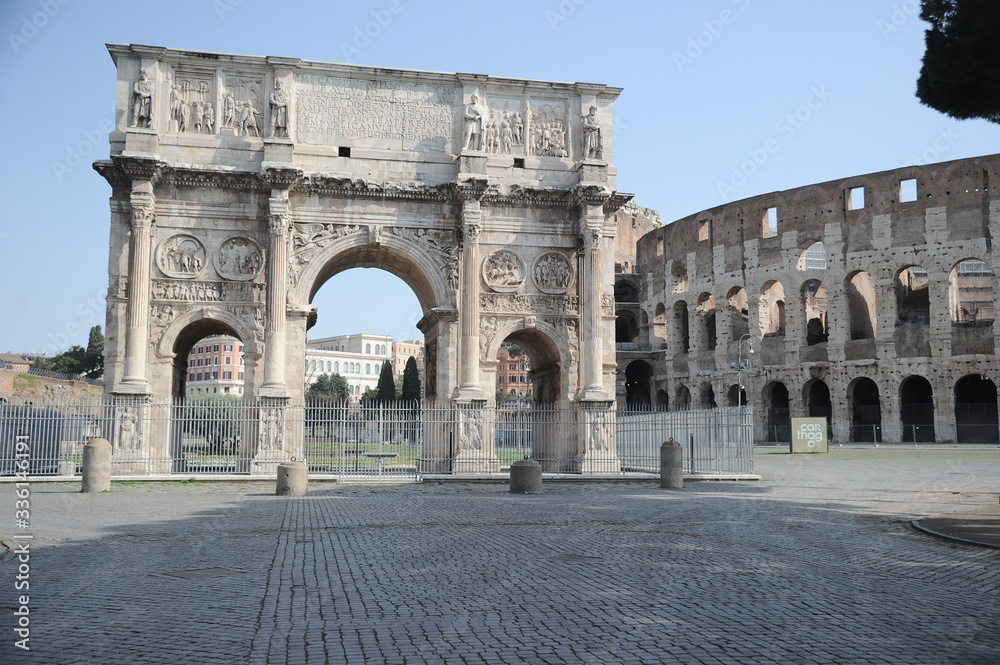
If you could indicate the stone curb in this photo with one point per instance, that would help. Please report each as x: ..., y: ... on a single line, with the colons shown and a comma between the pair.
x: 955, y: 539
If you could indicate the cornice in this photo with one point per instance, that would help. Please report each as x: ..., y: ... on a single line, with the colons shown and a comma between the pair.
x: 360, y: 188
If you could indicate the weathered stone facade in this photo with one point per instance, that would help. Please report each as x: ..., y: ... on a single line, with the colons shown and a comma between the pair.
x: 886, y: 327
x: 241, y: 184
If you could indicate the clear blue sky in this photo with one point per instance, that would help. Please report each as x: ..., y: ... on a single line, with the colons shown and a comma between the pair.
x: 707, y: 85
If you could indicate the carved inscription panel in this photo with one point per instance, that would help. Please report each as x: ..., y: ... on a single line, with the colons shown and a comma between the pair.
x: 377, y: 114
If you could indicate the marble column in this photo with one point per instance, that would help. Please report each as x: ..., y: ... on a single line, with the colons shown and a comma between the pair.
x: 469, y: 386
x: 140, y: 251
x: 590, y: 305
x: 277, y: 297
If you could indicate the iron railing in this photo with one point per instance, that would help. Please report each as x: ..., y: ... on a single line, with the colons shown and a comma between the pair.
x: 229, y: 435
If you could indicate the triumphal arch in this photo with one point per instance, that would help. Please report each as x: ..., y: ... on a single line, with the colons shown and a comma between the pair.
x: 241, y: 184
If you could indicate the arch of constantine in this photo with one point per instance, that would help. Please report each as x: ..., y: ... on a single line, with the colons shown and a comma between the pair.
x: 870, y: 301
x: 241, y: 184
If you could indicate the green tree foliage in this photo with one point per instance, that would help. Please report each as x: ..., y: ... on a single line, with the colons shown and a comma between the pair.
x: 216, y: 419
x: 386, y: 390
x: 95, y: 352
x: 330, y: 387
x: 515, y: 351
x: 411, y: 381
x: 961, y: 67
x: 79, y: 360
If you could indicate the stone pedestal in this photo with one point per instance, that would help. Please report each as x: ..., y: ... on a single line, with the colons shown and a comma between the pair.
x: 526, y: 477
x: 97, y: 466
x: 671, y: 465
x: 293, y: 479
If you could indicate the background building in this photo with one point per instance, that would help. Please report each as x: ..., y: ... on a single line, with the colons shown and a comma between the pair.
x: 215, y: 365
x: 868, y: 300
x: 513, y: 372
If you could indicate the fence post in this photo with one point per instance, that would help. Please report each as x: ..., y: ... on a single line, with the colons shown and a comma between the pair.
x: 96, y: 466
x: 671, y: 465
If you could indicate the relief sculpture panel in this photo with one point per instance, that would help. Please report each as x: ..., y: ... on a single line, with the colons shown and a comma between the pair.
x: 181, y: 256
x: 239, y: 259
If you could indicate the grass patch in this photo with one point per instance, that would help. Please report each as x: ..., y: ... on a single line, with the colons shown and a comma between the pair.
x: 23, y: 381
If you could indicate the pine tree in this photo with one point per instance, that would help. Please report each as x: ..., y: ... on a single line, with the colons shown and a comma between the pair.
x: 411, y: 381
x: 961, y: 67
x: 95, y: 353
x: 386, y: 384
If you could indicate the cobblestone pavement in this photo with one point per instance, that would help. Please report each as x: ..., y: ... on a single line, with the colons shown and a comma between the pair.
x: 816, y: 563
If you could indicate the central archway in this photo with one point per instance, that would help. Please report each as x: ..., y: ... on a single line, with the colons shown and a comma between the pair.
x: 392, y: 253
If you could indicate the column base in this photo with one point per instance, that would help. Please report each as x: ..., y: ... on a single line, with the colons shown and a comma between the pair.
x: 273, y: 390
x: 133, y: 387
x: 469, y: 393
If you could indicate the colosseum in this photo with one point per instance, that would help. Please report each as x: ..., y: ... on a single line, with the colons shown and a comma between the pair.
x: 868, y: 300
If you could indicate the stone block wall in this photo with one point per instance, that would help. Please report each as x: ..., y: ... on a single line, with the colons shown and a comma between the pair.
x: 868, y: 299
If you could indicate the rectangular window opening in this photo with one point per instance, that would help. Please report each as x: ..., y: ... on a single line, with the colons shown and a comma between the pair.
x: 519, y: 162
x: 704, y: 230
x: 908, y: 190
x: 343, y: 151
x: 855, y: 198
x: 770, y: 223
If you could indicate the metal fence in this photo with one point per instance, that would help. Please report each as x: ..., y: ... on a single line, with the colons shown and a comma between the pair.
x: 227, y: 435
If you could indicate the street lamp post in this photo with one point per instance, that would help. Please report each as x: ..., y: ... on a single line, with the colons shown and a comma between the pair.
x: 742, y: 363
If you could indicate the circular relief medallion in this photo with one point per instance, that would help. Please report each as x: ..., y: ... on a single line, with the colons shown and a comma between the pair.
x: 504, y: 271
x: 552, y: 272
x: 239, y: 258
x: 181, y: 256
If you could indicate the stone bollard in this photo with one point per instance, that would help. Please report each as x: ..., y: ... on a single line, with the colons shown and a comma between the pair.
x: 97, y: 466
x: 526, y: 477
x: 293, y: 479
x: 671, y: 465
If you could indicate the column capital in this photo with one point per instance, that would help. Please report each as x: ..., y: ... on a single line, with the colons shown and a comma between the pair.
x: 143, y: 209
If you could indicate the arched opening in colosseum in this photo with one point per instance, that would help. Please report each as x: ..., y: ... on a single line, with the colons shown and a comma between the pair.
x: 706, y: 321
x: 660, y: 327
x: 679, y: 277
x: 639, y: 385
x: 682, y: 330
x: 778, y: 414
x: 815, y: 302
x: 626, y: 328
x: 772, y: 309
x: 626, y: 291
x: 860, y: 289
x: 866, y: 411
x: 913, y: 313
x: 818, y: 403
x: 916, y: 410
x: 682, y: 402
x: 706, y: 396
x: 739, y: 312
x: 662, y: 400
x: 813, y: 257
x: 736, y: 395
x: 970, y: 292
x: 976, y: 410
